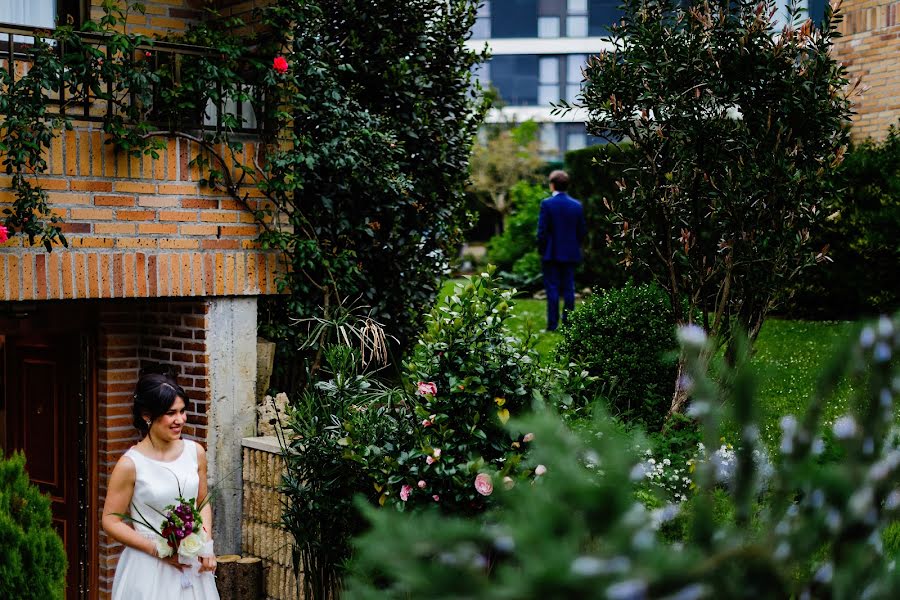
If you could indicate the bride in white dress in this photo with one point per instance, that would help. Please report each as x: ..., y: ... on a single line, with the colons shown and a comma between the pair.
x: 147, y: 479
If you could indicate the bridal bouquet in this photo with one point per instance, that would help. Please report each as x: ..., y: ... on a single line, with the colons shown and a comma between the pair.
x: 181, y: 533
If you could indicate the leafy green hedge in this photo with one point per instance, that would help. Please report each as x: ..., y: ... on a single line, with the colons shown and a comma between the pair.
x: 862, y: 237
x: 594, y: 172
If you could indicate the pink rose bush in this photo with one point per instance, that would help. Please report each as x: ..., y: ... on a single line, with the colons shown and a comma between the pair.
x: 4, y: 234
x: 423, y: 388
x: 483, y: 484
x: 405, y: 491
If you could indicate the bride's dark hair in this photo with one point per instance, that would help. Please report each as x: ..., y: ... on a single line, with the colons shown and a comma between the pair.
x: 155, y: 394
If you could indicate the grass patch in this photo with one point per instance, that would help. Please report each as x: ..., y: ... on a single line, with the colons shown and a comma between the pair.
x: 789, y: 356
x: 529, y: 318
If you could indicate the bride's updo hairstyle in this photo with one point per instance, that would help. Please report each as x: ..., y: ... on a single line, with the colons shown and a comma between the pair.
x: 154, y: 396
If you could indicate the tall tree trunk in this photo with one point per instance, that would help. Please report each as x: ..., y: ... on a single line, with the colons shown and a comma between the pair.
x: 680, y: 396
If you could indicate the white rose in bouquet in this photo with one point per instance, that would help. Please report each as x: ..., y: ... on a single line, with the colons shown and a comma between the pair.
x: 163, y: 549
x: 191, y: 546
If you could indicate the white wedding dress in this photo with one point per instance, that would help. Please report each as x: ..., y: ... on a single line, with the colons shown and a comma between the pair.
x: 140, y: 576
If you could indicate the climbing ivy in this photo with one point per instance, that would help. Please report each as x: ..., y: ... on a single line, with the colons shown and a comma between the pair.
x: 368, y: 108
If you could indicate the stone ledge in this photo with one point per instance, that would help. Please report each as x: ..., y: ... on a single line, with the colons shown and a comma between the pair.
x: 268, y: 443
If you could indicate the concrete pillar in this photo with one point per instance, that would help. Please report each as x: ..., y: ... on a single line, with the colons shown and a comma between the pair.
x: 231, y: 343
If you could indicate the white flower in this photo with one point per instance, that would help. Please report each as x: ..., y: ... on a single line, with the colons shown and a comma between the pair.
x: 191, y: 546
x: 540, y: 470
x: 692, y: 335
x: 882, y: 353
x: 163, y: 549
x: 631, y: 589
x: 885, y: 327
x: 845, y: 427
x: 867, y: 337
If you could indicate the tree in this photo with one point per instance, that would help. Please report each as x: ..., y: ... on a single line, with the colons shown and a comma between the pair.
x: 509, y: 156
x: 377, y: 112
x: 735, y: 126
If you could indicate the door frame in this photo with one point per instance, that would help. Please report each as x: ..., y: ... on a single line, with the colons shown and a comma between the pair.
x: 73, y: 318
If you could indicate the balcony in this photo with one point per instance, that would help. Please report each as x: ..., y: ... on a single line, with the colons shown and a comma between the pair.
x: 96, y: 100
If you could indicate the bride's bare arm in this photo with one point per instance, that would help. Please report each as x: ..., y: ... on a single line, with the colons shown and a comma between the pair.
x: 118, y: 500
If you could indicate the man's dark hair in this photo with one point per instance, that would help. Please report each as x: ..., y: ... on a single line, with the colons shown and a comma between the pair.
x: 560, y: 180
x: 155, y: 395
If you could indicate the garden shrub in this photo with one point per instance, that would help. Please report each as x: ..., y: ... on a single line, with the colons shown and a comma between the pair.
x: 32, y: 560
x: 339, y: 440
x: 577, y: 532
x: 350, y: 436
x: 861, y: 235
x: 624, y: 337
x: 595, y: 172
x: 482, y: 376
x: 520, y: 234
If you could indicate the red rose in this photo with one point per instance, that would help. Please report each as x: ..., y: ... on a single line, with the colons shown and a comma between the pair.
x: 280, y: 64
x: 4, y: 234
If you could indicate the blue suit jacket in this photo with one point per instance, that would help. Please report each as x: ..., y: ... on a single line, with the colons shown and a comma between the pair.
x: 561, y: 227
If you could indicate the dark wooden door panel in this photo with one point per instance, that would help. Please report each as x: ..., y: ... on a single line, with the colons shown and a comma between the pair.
x: 43, y: 407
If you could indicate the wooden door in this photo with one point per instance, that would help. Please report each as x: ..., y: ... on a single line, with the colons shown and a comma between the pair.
x: 44, y: 419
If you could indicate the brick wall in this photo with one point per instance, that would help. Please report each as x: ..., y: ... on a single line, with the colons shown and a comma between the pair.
x: 161, y: 16
x: 132, y: 336
x: 137, y: 227
x: 869, y: 48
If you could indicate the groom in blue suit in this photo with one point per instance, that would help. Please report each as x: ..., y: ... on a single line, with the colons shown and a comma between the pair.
x: 561, y: 227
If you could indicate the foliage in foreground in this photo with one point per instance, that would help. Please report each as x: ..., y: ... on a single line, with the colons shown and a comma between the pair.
x: 578, y: 532
x: 33, y: 560
x: 437, y: 443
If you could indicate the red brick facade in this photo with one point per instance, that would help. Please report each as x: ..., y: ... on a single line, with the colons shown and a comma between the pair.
x: 150, y: 251
x: 870, y: 49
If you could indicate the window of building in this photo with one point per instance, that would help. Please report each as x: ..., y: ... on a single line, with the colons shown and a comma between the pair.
x: 576, y: 18
x: 549, y: 138
x: 481, y: 72
x: 548, y: 27
x: 482, y: 28
x: 548, y: 76
x: 575, y: 140
x: 39, y: 13
x: 518, y: 19
x: 602, y: 14
x: 574, y: 64
x: 782, y: 17
x: 576, y: 26
x: 516, y: 78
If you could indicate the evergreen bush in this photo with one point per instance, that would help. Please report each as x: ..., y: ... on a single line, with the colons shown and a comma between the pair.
x: 32, y: 557
x: 624, y: 337
x: 595, y: 173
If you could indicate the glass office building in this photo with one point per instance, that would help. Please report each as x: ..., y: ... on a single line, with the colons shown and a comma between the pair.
x: 538, y: 49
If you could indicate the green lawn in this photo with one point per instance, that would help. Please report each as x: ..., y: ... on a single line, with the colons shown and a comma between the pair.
x: 788, y: 357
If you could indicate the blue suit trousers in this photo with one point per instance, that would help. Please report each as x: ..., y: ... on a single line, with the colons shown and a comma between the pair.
x: 559, y: 278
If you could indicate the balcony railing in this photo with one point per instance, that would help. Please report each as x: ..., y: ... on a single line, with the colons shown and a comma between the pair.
x: 16, y: 40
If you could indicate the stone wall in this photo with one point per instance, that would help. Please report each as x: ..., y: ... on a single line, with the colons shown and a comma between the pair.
x: 260, y: 530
